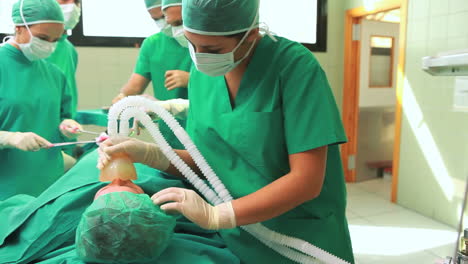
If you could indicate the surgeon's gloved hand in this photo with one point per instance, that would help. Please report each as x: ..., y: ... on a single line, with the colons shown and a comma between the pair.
x: 70, y: 128
x: 177, y: 107
x: 119, y: 97
x: 192, y: 206
x: 176, y: 79
x: 139, y: 151
x: 27, y: 141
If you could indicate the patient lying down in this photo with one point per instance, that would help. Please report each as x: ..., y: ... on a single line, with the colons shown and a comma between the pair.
x: 123, y: 225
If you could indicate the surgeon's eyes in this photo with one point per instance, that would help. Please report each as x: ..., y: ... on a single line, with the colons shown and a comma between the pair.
x: 213, y: 51
x: 45, y: 38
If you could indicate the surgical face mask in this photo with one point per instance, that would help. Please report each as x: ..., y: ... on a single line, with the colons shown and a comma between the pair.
x: 37, y: 48
x: 71, y: 13
x: 163, y: 26
x: 217, y: 64
x: 178, y: 35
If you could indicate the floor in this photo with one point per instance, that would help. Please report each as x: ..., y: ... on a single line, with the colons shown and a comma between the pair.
x: 383, y: 232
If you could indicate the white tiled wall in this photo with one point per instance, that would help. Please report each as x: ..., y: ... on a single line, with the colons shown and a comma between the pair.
x: 434, y: 145
x: 332, y: 61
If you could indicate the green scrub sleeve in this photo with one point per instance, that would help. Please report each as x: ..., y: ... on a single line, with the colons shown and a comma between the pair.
x: 143, y: 63
x: 311, y: 117
x: 66, y: 102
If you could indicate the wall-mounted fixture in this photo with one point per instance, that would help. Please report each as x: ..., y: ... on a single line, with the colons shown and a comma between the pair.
x: 452, y: 63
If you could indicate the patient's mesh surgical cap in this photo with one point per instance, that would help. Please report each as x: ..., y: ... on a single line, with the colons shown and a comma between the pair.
x: 123, y: 227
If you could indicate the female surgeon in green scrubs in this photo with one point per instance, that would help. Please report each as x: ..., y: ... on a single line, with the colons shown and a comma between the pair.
x: 264, y: 117
x: 164, y: 60
x: 34, y: 101
x: 65, y: 57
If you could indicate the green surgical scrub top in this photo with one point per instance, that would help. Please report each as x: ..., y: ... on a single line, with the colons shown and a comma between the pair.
x: 65, y: 58
x: 160, y: 53
x: 284, y: 106
x: 33, y: 98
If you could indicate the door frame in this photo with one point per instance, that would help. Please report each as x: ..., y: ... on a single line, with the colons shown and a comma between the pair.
x: 350, y: 113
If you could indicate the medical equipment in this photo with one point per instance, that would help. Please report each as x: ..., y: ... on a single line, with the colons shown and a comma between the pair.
x: 89, y: 132
x: 293, y: 248
x: 71, y: 143
x: 451, y: 63
x: 102, y: 137
x: 120, y: 166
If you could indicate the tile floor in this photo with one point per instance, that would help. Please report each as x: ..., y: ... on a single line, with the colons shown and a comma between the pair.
x: 385, y: 233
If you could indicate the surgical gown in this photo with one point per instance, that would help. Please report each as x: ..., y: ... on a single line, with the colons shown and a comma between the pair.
x: 160, y: 53
x: 42, y: 230
x: 65, y: 58
x: 284, y: 106
x: 33, y: 98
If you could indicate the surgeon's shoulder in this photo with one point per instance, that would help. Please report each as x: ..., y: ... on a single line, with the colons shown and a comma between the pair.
x: 53, y: 69
x: 6, y: 56
x: 153, y: 39
x: 293, y: 56
x: 69, y: 45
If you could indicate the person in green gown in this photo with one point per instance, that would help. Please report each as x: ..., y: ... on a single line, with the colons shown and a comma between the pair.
x: 65, y: 56
x: 263, y: 115
x: 164, y: 60
x: 35, y: 101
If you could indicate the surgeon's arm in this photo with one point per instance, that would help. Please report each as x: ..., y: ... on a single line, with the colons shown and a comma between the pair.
x: 185, y: 156
x: 136, y: 85
x: 303, y: 183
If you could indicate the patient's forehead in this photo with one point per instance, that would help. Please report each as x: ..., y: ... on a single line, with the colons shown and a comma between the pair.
x: 118, y: 188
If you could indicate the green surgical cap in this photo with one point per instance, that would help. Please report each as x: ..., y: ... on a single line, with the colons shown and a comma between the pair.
x: 123, y: 227
x: 150, y: 4
x: 37, y: 12
x: 169, y: 3
x: 219, y: 17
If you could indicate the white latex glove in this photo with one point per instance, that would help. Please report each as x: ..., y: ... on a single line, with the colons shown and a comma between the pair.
x: 70, y: 128
x: 192, y: 206
x: 27, y: 141
x: 119, y: 97
x: 176, y: 79
x: 139, y: 151
x: 177, y: 107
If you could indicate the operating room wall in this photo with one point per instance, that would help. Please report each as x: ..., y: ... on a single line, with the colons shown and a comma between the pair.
x: 332, y: 61
x: 103, y: 71
x: 434, y: 139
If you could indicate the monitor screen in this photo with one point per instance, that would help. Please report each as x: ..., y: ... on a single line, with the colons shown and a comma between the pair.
x: 6, y: 23
x: 295, y: 19
x: 117, y: 18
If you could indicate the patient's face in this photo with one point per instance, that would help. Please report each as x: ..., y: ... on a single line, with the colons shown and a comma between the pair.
x: 119, y: 185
